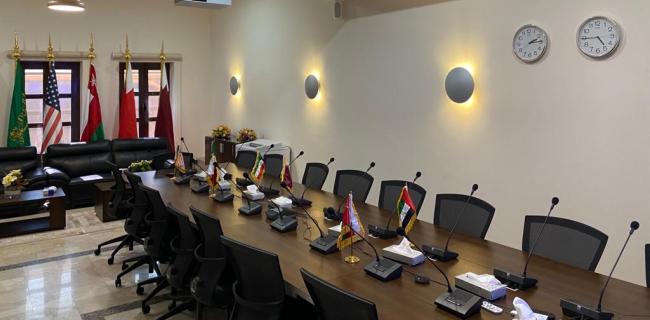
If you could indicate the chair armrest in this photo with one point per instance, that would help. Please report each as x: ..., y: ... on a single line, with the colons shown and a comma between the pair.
x: 200, y: 258
x: 178, y: 250
x: 258, y: 306
x: 55, y: 174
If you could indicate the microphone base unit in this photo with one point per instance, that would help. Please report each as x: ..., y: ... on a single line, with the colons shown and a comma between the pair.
x: 326, y: 244
x: 223, y: 196
x: 460, y: 303
x: 251, y: 209
x: 384, y: 269
x: 199, y: 186
x: 184, y: 179
x: 243, y: 183
x: 576, y: 310
x: 381, y: 232
x: 285, y: 224
x: 269, y: 192
x: 439, y: 254
x: 302, y: 202
x: 273, y: 213
x: 515, y: 281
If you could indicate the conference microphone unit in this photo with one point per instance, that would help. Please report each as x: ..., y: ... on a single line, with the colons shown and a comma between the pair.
x: 458, y: 302
x: 224, y: 195
x: 247, y: 182
x: 332, y: 214
x: 251, y: 207
x: 386, y: 232
x: 283, y: 223
x: 302, y: 201
x: 380, y: 268
x: 579, y: 311
x: 325, y: 244
x: 444, y: 255
x: 522, y: 281
x: 268, y: 191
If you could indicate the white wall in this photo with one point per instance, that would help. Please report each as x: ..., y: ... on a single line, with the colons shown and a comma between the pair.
x: 567, y: 126
x: 147, y: 22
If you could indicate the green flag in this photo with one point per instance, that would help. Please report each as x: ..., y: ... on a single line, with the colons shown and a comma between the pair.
x: 18, y: 135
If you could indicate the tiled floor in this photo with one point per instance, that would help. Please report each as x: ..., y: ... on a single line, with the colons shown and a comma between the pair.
x: 55, y: 275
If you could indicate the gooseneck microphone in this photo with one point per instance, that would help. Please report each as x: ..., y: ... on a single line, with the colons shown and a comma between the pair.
x: 224, y: 195
x: 445, y: 255
x: 302, y: 201
x: 268, y: 191
x: 573, y: 309
x: 320, y: 231
x: 523, y: 282
x: 251, y: 207
x: 381, y: 268
x: 336, y: 215
x: 330, y: 162
x: 302, y: 153
x: 386, y: 232
x: 460, y: 303
x: 417, y: 176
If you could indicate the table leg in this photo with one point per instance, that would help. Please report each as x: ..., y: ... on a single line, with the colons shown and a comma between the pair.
x: 57, y: 214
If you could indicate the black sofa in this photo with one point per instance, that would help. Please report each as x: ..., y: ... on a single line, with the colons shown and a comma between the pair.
x: 28, y: 161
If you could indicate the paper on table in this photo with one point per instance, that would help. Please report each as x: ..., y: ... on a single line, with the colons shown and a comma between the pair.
x: 91, y: 177
x: 524, y: 312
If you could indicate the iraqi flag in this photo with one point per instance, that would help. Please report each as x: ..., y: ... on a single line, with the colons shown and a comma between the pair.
x: 406, y: 210
x: 351, y: 226
x: 127, y: 123
x: 213, y: 174
x: 164, y: 122
x: 93, y: 129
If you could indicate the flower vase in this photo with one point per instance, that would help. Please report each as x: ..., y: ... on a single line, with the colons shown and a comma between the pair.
x: 12, y: 193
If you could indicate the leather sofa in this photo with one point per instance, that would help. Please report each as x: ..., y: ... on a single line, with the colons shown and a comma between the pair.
x: 28, y: 161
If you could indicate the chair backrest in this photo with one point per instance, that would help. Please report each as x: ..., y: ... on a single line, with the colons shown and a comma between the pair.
x: 647, y: 265
x: 274, y: 163
x: 565, y: 240
x: 117, y: 206
x: 245, y: 159
x: 391, y: 190
x: 475, y: 220
x: 315, y: 175
x: 162, y: 226
x: 356, y: 181
x: 210, y: 232
x: 183, y: 245
x: 140, y: 204
x: 120, y: 186
x: 333, y: 303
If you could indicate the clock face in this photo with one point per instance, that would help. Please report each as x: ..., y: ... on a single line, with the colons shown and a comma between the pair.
x: 530, y: 43
x: 598, y: 37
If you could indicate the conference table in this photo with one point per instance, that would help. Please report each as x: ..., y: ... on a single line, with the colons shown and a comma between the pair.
x: 403, y: 298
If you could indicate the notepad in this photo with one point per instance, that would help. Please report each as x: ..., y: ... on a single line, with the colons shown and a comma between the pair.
x: 91, y: 177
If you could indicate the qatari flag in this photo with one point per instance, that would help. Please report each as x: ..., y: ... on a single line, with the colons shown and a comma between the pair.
x: 164, y: 122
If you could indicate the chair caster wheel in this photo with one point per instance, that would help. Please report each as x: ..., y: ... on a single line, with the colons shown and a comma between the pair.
x: 97, y: 252
x: 139, y: 291
x: 171, y: 306
x: 110, y: 261
x: 145, y: 308
x: 118, y: 283
x: 124, y: 266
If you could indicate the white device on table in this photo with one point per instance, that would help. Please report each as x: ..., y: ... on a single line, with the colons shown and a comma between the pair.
x: 403, y: 253
x: 483, y: 285
x: 253, y: 194
x: 491, y: 308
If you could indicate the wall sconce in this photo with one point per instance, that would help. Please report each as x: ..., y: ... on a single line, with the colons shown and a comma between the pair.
x: 312, y: 86
x: 459, y: 85
x: 234, y: 85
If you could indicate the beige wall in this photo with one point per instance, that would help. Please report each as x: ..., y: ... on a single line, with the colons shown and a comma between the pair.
x: 148, y: 23
x: 567, y: 126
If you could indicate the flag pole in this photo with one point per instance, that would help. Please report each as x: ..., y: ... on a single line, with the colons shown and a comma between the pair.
x: 351, y: 259
x: 91, y: 51
x: 15, y: 54
x: 50, y: 49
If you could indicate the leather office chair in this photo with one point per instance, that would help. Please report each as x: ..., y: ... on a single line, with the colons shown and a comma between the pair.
x: 475, y: 220
x: 333, y: 303
x: 358, y: 182
x: 274, y: 163
x: 182, y: 269
x: 212, y: 286
x: 315, y: 175
x: 245, y: 159
x: 118, y: 208
x: 565, y: 240
x: 647, y: 265
x: 259, y: 288
x: 391, y: 189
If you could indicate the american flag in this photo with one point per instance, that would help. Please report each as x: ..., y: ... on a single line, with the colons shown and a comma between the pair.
x: 52, y: 131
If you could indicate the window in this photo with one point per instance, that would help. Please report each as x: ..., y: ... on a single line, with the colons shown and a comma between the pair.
x: 146, y: 82
x: 68, y: 80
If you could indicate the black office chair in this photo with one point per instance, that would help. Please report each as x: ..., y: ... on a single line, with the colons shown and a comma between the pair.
x: 391, y: 190
x: 333, y: 303
x: 159, y: 162
x: 245, y: 159
x: 274, y: 163
x: 565, y: 240
x: 135, y: 225
x: 475, y: 220
x: 212, y: 286
x: 183, y: 267
x: 118, y: 208
x: 647, y: 265
x: 259, y: 288
x: 315, y: 175
x: 358, y: 182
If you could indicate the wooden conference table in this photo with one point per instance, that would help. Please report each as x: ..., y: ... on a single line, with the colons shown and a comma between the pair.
x: 403, y: 298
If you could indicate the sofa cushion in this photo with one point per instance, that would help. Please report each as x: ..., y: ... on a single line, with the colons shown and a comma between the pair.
x: 80, y: 159
x: 25, y: 159
x: 127, y: 151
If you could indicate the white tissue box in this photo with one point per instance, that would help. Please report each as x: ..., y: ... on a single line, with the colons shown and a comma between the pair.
x: 224, y: 185
x: 335, y: 230
x: 254, y: 195
x: 283, y: 202
x: 413, y: 258
x: 488, y: 291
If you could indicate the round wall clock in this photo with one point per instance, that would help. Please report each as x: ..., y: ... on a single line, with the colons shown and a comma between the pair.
x: 530, y: 43
x: 598, y: 37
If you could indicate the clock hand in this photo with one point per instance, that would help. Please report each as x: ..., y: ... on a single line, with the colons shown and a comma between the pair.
x: 601, y: 41
x: 587, y: 38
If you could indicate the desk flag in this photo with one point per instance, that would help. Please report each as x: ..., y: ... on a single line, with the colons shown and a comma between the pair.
x: 179, y: 162
x: 18, y: 135
x: 285, y: 176
x: 259, y: 168
x: 213, y: 175
x: 350, y: 222
x: 93, y: 130
x: 406, y: 210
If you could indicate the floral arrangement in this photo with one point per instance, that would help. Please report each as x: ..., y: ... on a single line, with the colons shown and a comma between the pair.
x: 221, y: 132
x: 14, y: 180
x: 141, y: 166
x: 246, y: 134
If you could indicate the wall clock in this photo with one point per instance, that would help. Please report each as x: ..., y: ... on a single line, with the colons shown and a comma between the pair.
x: 598, y: 37
x: 530, y: 43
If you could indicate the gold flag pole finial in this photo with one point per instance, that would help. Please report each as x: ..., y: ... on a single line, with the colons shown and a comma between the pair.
x: 163, y: 57
x: 127, y: 51
x: 16, y: 52
x: 91, y: 51
x: 50, y: 49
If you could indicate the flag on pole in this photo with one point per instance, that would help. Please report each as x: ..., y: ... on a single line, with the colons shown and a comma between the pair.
x: 93, y: 129
x: 213, y: 174
x: 351, y: 225
x: 127, y: 123
x: 164, y: 122
x: 259, y: 168
x: 179, y: 162
x: 285, y: 176
x: 406, y: 210
x: 52, y: 125
x: 18, y: 131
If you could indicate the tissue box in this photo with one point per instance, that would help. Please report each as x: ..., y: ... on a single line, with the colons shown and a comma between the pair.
x: 283, y: 202
x: 224, y: 185
x: 254, y: 195
x: 488, y: 291
x: 392, y: 252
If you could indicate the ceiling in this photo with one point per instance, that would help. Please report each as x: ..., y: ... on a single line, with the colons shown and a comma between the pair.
x: 361, y: 8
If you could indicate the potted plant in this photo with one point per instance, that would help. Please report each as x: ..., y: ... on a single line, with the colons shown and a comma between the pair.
x: 14, y: 183
x: 246, y: 134
x: 141, y: 166
x: 221, y: 132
